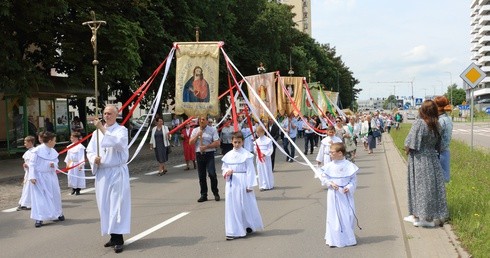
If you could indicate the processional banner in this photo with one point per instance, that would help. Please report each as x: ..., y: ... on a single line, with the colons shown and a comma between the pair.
x: 294, y: 85
x: 263, y: 85
x: 197, y: 78
x: 310, y: 100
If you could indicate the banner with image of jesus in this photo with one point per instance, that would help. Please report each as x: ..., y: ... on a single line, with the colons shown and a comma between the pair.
x: 263, y: 85
x: 197, y: 78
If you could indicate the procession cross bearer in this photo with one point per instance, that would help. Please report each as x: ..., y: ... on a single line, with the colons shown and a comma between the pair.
x: 112, y: 189
x: 110, y: 168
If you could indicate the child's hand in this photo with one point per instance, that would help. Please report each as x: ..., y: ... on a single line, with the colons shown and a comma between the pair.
x: 346, y: 190
x: 249, y: 190
x: 228, y: 174
x: 25, y: 165
x: 51, y: 164
x: 33, y: 181
x: 334, y: 186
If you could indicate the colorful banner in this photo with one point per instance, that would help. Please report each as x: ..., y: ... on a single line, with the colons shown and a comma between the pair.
x: 325, y: 101
x: 294, y: 86
x: 309, y: 108
x: 263, y: 85
x: 197, y: 78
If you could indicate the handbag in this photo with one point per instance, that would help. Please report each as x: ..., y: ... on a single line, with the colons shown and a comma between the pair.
x: 376, y: 133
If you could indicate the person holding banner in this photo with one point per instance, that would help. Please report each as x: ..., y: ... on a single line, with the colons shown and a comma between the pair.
x: 108, y: 155
x: 205, y: 138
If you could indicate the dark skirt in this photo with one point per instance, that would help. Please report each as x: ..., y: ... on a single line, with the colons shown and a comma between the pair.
x: 160, y: 149
x: 371, y: 142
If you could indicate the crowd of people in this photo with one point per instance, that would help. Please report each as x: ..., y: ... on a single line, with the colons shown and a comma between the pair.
x: 249, y: 149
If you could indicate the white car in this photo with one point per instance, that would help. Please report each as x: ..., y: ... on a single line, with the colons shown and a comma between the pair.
x: 410, y: 116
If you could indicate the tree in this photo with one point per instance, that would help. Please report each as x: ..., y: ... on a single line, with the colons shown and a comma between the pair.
x: 390, y: 102
x: 458, y: 95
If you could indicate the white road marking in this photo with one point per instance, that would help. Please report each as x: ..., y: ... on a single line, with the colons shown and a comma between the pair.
x: 179, y: 166
x: 151, y: 173
x: 10, y: 210
x: 155, y: 228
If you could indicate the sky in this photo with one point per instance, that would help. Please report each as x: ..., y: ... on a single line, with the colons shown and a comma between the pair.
x: 426, y: 42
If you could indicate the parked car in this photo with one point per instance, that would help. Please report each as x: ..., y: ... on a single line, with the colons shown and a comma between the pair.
x: 410, y: 116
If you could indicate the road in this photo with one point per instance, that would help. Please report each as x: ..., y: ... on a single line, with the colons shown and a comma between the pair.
x: 481, y: 134
x: 167, y: 221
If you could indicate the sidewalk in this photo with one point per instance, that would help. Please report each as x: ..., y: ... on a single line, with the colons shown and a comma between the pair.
x: 419, y: 242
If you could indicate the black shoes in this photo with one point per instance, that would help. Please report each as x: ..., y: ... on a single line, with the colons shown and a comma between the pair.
x: 61, y: 218
x: 216, y: 197
x: 77, y: 191
x: 38, y: 223
x: 22, y: 208
x: 249, y: 230
x: 73, y: 191
x: 202, y: 199
x: 109, y: 244
x: 118, y: 248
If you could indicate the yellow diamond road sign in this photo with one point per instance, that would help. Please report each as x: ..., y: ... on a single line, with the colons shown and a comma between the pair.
x: 473, y: 75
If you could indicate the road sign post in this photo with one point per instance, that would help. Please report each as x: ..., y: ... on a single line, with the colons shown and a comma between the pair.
x: 473, y: 75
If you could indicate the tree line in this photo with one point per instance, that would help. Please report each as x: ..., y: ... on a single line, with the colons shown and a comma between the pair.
x: 42, y: 35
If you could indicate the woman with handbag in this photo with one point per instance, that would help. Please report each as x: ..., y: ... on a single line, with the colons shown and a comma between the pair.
x: 159, y: 141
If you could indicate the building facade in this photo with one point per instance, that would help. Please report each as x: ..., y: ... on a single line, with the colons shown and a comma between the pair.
x: 480, y: 49
x: 302, y: 9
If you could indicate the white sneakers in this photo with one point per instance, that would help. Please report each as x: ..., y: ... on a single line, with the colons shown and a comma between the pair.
x: 419, y: 223
x: 410, y: 219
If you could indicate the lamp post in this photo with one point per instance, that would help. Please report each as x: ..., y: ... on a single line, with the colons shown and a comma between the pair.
x: 451, y: 88
x: 94, y: 25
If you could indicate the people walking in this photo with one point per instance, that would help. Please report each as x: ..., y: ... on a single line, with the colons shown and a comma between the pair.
x: 159, y: 141
x: 108, y: 154
x: 242, y: 214
x: 205, y: 138
x: 75, y: 159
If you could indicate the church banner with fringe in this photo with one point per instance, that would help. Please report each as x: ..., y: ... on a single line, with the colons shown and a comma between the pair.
x: 294, y: 86
x: 197, y: 78
x: 264, y: 86
x: 310, y: 100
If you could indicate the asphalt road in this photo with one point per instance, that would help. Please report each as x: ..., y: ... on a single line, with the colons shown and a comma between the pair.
x: 168, y: 222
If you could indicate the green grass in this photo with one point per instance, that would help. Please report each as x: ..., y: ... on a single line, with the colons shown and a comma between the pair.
x: 468, y: 193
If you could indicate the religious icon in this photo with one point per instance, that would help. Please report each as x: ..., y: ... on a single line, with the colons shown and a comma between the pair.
x: 196, y: 89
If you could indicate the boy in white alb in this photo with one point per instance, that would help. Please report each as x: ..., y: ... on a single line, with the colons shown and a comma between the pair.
x: 264, y: 164
x: 339, y: 176
x: 242, y: 214
x: 25, y: 198
x: 76, y: 157
x: 323, y: 155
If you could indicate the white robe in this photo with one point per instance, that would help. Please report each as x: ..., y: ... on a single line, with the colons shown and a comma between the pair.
x: 264, y: 169
x: 248, y: 141
x: 46, y: 193
x: 241, y: 210
x: 341, y: 219
x: 76, y: 175
x: 25, y: 198
x: 112, y: 187
x: 324, y: 151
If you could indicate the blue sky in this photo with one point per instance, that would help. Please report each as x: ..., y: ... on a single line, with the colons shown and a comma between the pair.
x: 427, y: 41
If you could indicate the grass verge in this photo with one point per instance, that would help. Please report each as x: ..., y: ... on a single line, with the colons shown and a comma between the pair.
x: 468, y: 193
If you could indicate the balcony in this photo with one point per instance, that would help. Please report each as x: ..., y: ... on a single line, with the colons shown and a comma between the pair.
x: 484, y: 50
x: 483, y: 19
x: 484, y: 59
x: 484, y: 40
x: 484, y: 9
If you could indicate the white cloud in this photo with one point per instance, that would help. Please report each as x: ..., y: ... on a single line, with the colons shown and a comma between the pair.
x: 417, y: 54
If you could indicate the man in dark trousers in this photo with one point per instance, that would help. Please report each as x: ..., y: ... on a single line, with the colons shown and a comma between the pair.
x: 274, y: 131
x: 206, y: 140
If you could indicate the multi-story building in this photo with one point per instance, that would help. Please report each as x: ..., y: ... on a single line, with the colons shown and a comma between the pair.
x: 302, y: 9
x: 480, y: 39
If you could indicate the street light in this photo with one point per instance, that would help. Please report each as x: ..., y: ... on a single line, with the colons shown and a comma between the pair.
x: 451, y: 87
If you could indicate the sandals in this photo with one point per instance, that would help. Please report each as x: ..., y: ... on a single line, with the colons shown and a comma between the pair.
x: 163, y: 172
